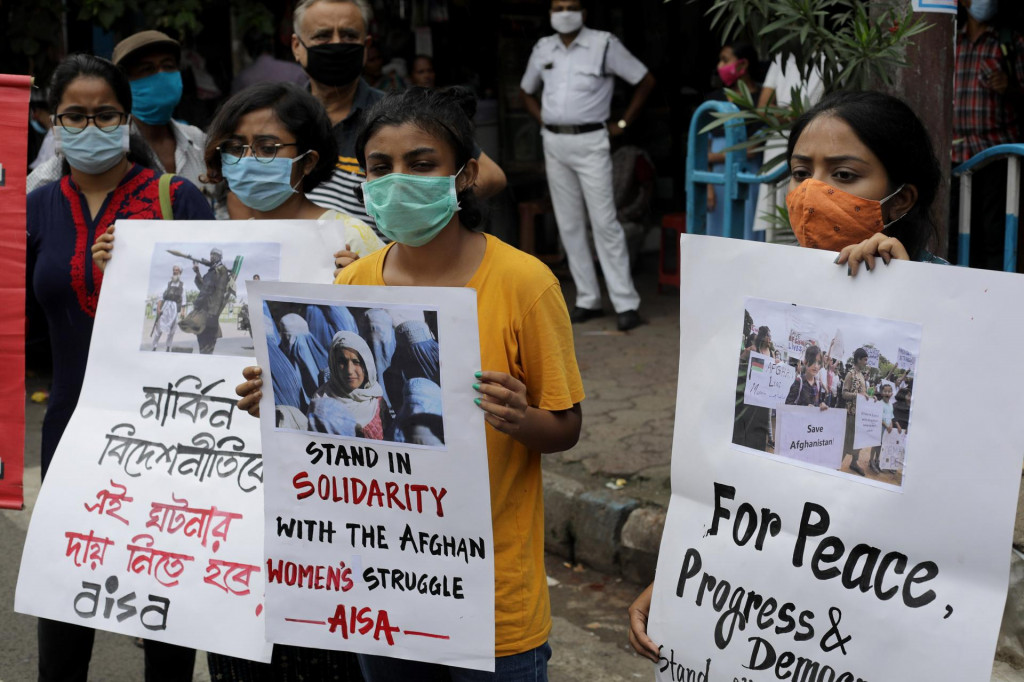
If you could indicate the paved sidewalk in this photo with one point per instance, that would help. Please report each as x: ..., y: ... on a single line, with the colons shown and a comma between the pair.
x: 630, y: 384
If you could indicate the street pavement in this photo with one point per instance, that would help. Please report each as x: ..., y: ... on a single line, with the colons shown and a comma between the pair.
x: 630, y: 383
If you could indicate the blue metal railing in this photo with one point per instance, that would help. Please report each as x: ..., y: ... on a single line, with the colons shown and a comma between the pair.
x: 1012, y: 154
x: 735, y: 181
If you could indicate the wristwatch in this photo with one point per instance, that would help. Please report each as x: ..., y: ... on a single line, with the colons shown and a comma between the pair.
x: 622, y: 124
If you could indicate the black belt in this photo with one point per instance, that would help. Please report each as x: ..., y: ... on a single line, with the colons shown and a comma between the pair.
x: 575, y: 130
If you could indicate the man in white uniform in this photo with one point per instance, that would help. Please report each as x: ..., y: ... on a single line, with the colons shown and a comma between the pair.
x: 577, y: 68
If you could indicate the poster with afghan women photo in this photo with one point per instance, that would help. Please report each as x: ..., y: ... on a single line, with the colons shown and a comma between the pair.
x: 807, y: 391
x: 377, y: 538
x: 356, y: 371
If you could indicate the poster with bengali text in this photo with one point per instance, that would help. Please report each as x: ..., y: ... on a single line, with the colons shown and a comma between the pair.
x: 378, y: 525
x: 777, y: 569
x: 150, y: 520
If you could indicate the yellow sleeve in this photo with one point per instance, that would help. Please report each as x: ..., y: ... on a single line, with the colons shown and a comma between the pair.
x: 548, y: 355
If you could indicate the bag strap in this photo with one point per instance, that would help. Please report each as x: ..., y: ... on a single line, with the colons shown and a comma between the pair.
x: 166, y: 208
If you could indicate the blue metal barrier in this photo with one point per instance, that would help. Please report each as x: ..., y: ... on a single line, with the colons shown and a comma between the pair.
x: 1012, y: 154
x: 736, y: 182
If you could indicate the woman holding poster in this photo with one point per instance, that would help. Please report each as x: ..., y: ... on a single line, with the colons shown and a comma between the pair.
x: 106, y: 178
x: 855, y: 384
x: 864, y: 177
x: 417, y: 149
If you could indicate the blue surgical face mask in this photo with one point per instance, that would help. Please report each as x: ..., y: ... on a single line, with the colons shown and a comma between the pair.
x: 262, y: 186
x: 411, y: 209
x: 154, y: 97
x: 983, y: 10
x: 37, y: 126
x: 92, y: 151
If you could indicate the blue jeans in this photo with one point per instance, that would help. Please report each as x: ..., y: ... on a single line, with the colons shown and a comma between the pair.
x: 529, y: 666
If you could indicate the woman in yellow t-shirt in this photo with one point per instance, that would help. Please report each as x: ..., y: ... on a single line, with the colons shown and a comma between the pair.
x: 417, y: 147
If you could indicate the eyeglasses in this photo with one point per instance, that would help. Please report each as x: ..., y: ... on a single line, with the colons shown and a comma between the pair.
x: 74, y: 122
x: 265, y: 152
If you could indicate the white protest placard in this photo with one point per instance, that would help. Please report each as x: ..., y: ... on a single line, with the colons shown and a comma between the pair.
x: 868, y: 423
x: 893, y: 446
x: 905, y: 359
x: 378, y: 528
x: 768, y: 381
x: 811, y: 435
x: 837, y: 350
x: 769, y: 570
x: 873, y: 357
x: 150, y: 521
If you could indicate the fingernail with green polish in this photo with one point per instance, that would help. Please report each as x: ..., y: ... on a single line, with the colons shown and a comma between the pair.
x: 476, y: 387
x: 478, y: 374
x: 477, y: 400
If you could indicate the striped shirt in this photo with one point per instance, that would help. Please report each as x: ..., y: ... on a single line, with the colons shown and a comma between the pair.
x: 341, y: 191
x: 983, y: 118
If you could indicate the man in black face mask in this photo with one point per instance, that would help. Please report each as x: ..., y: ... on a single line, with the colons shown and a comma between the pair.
x: 330, y: 42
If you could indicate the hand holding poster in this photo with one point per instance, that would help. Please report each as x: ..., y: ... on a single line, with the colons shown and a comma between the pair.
x: 873, y: 357
x: 868, y: 424
x: 375, y: 540
x: 150, y: 522
x: 776, y: 570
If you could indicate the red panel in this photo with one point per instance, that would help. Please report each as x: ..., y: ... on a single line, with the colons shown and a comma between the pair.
x: 14, y: 94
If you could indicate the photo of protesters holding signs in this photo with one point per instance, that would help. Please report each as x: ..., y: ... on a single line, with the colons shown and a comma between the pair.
x: 811, y: 403
x: 364, y: 372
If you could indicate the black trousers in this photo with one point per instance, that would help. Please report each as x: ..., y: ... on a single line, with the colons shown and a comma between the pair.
x: 66, y: 649
x: 988, y: 219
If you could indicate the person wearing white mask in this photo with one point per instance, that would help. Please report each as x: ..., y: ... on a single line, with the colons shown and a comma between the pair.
x: 577, y: 69
x: 151, y: 60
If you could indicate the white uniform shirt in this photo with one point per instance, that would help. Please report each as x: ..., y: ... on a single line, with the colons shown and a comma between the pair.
x: 782, y: 78
x: 579, y: 79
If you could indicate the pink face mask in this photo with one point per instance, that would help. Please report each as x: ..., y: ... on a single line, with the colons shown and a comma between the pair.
x: 730, y: 73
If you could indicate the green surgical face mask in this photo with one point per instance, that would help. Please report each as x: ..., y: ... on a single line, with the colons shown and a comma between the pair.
x: 411, y: 209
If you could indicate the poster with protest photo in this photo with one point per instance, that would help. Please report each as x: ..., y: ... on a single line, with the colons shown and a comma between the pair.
x: 150, y: 520
x: 802, y: 409
x: 354, y: 371
x: 774, y: 569
x: 196, y: 300
x: 378, y: 531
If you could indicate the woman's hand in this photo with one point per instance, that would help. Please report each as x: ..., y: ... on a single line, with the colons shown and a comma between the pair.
x: 877, y: 246
x: 249, y: 390
x: 102, y: 248
x: 638, y: 611
x: 823, y: 407
x: 344, y: 258
x: 503, y: 399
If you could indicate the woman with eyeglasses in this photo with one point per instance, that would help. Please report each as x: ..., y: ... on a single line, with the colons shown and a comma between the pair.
x: 107, y: 177
x: 273, y: 144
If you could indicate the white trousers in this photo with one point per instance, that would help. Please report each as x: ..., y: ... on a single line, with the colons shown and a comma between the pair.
x: 579, y: 170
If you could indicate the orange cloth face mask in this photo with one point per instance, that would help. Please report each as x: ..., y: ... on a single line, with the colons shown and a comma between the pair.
x: 823, y: 217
